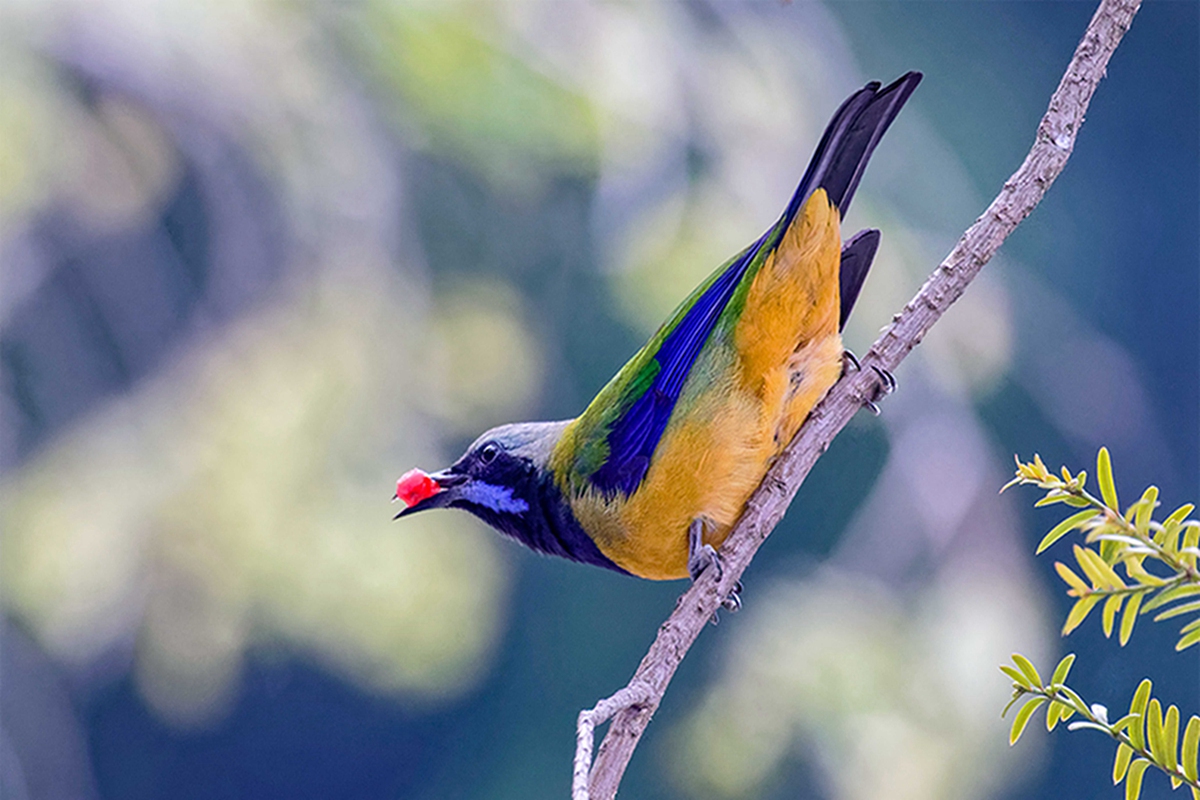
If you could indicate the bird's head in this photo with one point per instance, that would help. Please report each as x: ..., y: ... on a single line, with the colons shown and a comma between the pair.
x: 498, y: 479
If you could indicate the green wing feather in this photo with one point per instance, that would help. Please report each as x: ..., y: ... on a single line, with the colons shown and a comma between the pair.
x: 609, y: 445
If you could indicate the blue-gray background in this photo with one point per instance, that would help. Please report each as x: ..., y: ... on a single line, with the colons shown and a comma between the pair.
x: 257, y: 260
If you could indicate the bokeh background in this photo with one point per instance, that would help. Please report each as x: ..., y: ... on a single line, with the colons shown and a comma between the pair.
x: 259, y: 258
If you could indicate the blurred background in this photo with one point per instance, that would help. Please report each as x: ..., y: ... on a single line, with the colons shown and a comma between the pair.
x: 257, y: 259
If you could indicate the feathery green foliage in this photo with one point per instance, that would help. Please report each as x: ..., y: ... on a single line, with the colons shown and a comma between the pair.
x: 1128, y: 540
x: 1147, y: 736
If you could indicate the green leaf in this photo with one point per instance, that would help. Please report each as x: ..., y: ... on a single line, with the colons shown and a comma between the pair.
x: 1017, y: 695
x: 1183, y: 608
x: 1125, y: 722
x: 1076, y: 700
x: 1083, y: 556
x: 1111, y: 606
x: 1073, y: 580
x: 1017, y: 676
x: 1154, y: 730
x: 1138, y: 707
x: 1145, y: 508
x: 1135, y: 570
x: 1129, y: 617
x: 1063, y: 528
x: 1171, y: 736
x: 1192, y: 536
x: 1096, y: 568
x: 1109, y: 551
x: 1060, y: 672
x: 1191, y: 745
x: 1176, y: 592
x: 1104, y: 475
x: 1022, y: 719
x: 1121, y: 763
x: 1170, y: 537
x: 1027, y: 669
x: 1187, y: 641
x: 1133, y: 783
x: 1054, y: 714
x: 1079, y: 612
x: 1168, y: 540
x: 1179, y: 514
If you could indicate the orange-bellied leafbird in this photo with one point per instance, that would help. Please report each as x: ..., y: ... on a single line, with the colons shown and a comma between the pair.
x: 651, y: 477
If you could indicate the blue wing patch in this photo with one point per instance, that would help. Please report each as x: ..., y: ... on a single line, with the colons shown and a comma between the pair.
x: 634, y: 436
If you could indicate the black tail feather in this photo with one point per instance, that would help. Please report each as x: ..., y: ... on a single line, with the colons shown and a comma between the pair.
x: 837, y: 167
x: 848, y: 141
x: 857, y: 255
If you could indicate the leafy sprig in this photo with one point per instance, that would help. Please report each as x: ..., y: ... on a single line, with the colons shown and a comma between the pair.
x: 1146, y: 737
x: 1128, y: 539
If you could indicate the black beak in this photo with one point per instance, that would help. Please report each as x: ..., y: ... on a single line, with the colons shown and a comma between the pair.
x: 449, y: 483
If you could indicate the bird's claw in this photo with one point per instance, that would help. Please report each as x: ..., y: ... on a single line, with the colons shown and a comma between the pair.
x: 733, y: 603
x: 850, y: 360
x: 700, y: 557
x: 886, y: 385
x: 887, y: 381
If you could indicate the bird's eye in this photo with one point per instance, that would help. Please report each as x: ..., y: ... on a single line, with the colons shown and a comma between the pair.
x: 488, y: 453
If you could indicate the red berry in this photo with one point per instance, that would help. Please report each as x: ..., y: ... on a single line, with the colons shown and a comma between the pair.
x: 415, y: 486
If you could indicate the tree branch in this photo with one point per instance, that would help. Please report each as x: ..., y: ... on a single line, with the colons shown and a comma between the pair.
x: 637, y: 702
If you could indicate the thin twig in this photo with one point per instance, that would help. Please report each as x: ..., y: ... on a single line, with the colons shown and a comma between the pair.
x: 1021, y: 193
x: 631, y: 696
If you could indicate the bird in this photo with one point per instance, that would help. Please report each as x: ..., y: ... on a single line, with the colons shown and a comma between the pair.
x: 650, y: 478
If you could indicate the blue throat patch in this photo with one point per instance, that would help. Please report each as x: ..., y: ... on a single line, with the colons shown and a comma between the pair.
x: 547, y: 527
x: 496, y: 498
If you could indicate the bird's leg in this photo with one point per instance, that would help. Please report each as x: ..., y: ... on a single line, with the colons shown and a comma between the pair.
x: 701, y: 555
x: 887, y: 381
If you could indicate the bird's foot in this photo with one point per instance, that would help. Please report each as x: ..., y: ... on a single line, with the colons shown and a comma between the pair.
x: 887, y: 381
x: 701, y: 556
